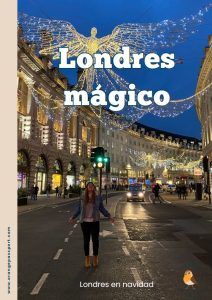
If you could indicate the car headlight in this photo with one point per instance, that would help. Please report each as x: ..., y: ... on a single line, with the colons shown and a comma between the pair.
x: 129, y: 194
x: 140, y: 194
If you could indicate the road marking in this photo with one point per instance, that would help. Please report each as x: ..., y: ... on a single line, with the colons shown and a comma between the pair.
x: 124, y: 248
x: 57, y: 255
x: 166, y: 201
x: 31, y: 210
x: 75, y: 225
x: 105, y: 233
x: 39, y: 285
x: 66, y: 240
x: 161, y: 245
x: 48, y: 205
x: 148, y: 272
x: 142, y: 262
x: 70, y: 233
x: 135, y: 275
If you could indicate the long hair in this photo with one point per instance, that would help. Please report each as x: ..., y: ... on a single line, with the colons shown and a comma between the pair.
x: 86, y: 199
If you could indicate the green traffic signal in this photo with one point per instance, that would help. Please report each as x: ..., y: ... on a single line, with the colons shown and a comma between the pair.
x: 106, y: 159
x: 99, y: 159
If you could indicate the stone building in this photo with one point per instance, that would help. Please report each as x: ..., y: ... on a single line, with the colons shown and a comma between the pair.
x: 139, y: 152
x: 204, y: 103
x: 52, y: 148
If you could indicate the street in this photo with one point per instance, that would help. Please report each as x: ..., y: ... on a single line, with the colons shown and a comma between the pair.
x: 150, y: 243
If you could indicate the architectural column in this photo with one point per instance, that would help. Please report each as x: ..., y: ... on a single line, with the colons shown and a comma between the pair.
x: 74, y: 120
x: 88, y: 142
x: 33, y: 171
x: 73, y: 134
x: 96, y: 135
x: 79, y: 136
x: 30, y: 84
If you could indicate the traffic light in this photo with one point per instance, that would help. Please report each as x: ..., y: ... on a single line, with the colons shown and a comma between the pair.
x: 97, y: 157
x: 100, y: 165
x: 106, y: 159
x: 107, y: 164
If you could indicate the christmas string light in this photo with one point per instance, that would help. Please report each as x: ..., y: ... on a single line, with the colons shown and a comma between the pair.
x: 49, y: 35
x: 42, y: 106
x: 160, y: 159
x: 65, y: 112
x: 163, y: 163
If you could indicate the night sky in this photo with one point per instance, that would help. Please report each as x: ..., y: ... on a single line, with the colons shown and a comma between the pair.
x: 180, y: 81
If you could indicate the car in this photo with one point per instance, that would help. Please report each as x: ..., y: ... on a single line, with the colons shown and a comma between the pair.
x: 171, y: 188
x: 135, y: 193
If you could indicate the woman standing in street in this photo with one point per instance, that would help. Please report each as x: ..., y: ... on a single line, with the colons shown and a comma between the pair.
x: 89, y: 210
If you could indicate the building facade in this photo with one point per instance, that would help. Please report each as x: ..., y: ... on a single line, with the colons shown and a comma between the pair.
x: 141, y: 152
x: 204, y: 104
x: 54, y: 146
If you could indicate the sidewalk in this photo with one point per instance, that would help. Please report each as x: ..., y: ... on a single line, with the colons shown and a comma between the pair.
x: 43, y: 201
x: 190, y: 200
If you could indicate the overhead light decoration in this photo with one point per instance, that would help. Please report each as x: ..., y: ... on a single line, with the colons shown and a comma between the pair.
x: 49, y: 35
x: 162, y: 160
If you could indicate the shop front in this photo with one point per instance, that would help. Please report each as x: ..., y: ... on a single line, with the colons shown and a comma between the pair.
x: 57, y: 177
x: 41, y: 174
x: 23, y: 170
x: 71, y: 175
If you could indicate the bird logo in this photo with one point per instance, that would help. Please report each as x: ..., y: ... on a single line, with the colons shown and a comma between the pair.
x: 189, y: 279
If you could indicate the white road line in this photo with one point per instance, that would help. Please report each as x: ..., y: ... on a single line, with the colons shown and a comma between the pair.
x: 57, y: 255
x: 161, y: 245
x: 166, y: 201
x: 43, y: 206
x: 144, y: 264
x: 70, y: 233
x: 124, y: 248
x: 75, y: 225
x: 31, y: 210
x: 39, y: 285
x: 66, y: 240
x: 135, y: 275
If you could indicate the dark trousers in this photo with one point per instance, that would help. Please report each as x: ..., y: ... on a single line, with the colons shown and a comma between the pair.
x: 90, y: 229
